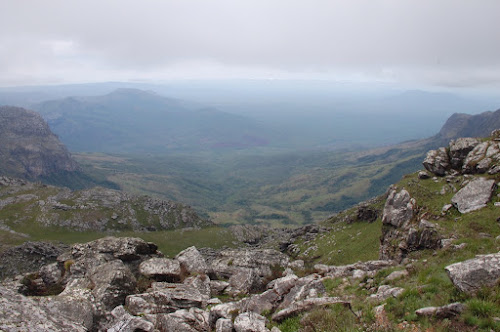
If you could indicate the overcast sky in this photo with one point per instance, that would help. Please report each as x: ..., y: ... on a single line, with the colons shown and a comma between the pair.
x: 436, y: 42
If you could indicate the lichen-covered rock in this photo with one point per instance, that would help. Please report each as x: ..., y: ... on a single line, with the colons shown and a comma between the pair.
x: 250, y: 322
x: 384, y: 292
x: 28, y: 257
x: 19, y: 313
x: 192, y: 261
x: 474, y: 196
x: 161, y: 269
x: 192, y: 320
x: 459, y: 149
x: 469, y: 276
x: 306, y: 287
x: 306, y: 305
x: 447, y: 311
x: 113, y: 282
x: 437, y: 161
x: 481, y: 157
x: 224, y: 325
x: 123, y: 321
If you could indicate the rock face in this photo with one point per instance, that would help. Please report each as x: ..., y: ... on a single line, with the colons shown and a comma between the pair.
x: 28, y: 147
x: 96, y: 209
x: 469, y: 276
x: 474, y: 196
x: 437, y: 161
x: 402, y: 230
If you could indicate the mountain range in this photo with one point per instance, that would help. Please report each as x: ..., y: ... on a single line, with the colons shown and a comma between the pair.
x: 137, y: 121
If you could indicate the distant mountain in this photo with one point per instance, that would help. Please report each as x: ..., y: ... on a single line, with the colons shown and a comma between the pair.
x: 131, y: 120
x: 466, y: 125
x: 28, y: 148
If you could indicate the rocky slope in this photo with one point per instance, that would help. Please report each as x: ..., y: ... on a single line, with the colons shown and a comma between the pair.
x: 28, y: 147
x: 25, y: 205
x: 435, y: 268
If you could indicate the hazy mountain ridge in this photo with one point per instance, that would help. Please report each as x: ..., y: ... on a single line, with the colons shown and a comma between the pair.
x: 466, y: 125
x: 131, y: 120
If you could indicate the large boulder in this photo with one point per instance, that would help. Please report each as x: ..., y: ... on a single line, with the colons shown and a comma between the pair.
x: 481, y: 157
x: 28, y: 257
x: 398, y: 209
x: 459, y: 149
x: 192, y: 261
x: 20, y: 313
x: 192, y: 320
x: 437, y: 161
x: 473, y: 274
x: 161, y: 269
x: 250, y: 322
x: 474, y: 196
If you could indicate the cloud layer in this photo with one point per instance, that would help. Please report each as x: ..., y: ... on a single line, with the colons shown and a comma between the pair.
x: 446, y: 42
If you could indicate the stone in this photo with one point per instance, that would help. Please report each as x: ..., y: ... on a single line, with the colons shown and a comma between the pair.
x: 192, y: 320
x: 28, y: 257
x: 459, y: 149
x: 224, y: 325
x: 437, y: 161
x: 113, y: 282
x: 202, y: 283
x: 297, y: 265
x: 283, y: 285
x: 161, y: 269
x: 447, y: 311
x: 245, y: 281
x: 165, y: 298
x: 423, y: 175
x: 382, y: 321
x: 217, y: 287
x: 474, y: 196
x: 384, y: 292
x: 259, y: 303
x: 123, y: 248
x: 123, y: 321
x: 469, y: 276
x: 250, y: 322
x: 446, y: 208
x: 306, y: 305
x: 396, y: 275
x: 51, y: 274
x: 309, y: 286
x: 398, y: 209
x: 19, y: 313
x: 192, y: 261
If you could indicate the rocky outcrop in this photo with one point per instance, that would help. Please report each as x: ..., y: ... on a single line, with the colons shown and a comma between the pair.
x: 473, y: 274
x: 96, y: 209
x: 437, y: 161
x: 465, y: 156
x: 474, y: 196
x: 29, y: 256
x: 402, y: 230
x: 28, y: 147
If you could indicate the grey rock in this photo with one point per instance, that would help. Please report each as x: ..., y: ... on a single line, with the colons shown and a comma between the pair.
x: 398, y: 209
x: 297, y: 265
x: 469, y: 276
x: 162, y: 269
x: 123, y: 321
x: 306, y: 305
x: 192, y: 261
x: 19, y: 313
x: 258, y: 303
x: 447, y: 311
x: 51, y: 274
x: 474, y: 196
x: 202, y: 283
x: 437, y: 161
x: 396, y: 275
x: 217, y: 287
x: 28, y: 257
x: 245, y: 281
x: 384, y: 292
x: 459, y: 149
x: 423, y: 175
x: 309, y: 286
x: 250, y: 322
x: 283, y: 285
x: 192, y: 320
x: 113, y: 282
x: 224, y: 325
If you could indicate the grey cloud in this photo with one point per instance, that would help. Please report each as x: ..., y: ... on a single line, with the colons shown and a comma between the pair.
x: 285, y: 35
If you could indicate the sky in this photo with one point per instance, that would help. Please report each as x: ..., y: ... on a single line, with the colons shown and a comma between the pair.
x: 449, y: 43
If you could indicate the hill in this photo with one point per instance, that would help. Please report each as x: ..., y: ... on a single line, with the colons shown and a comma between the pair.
x: 131, y: 121
x: 466, y: 125
x: 29, y: 148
